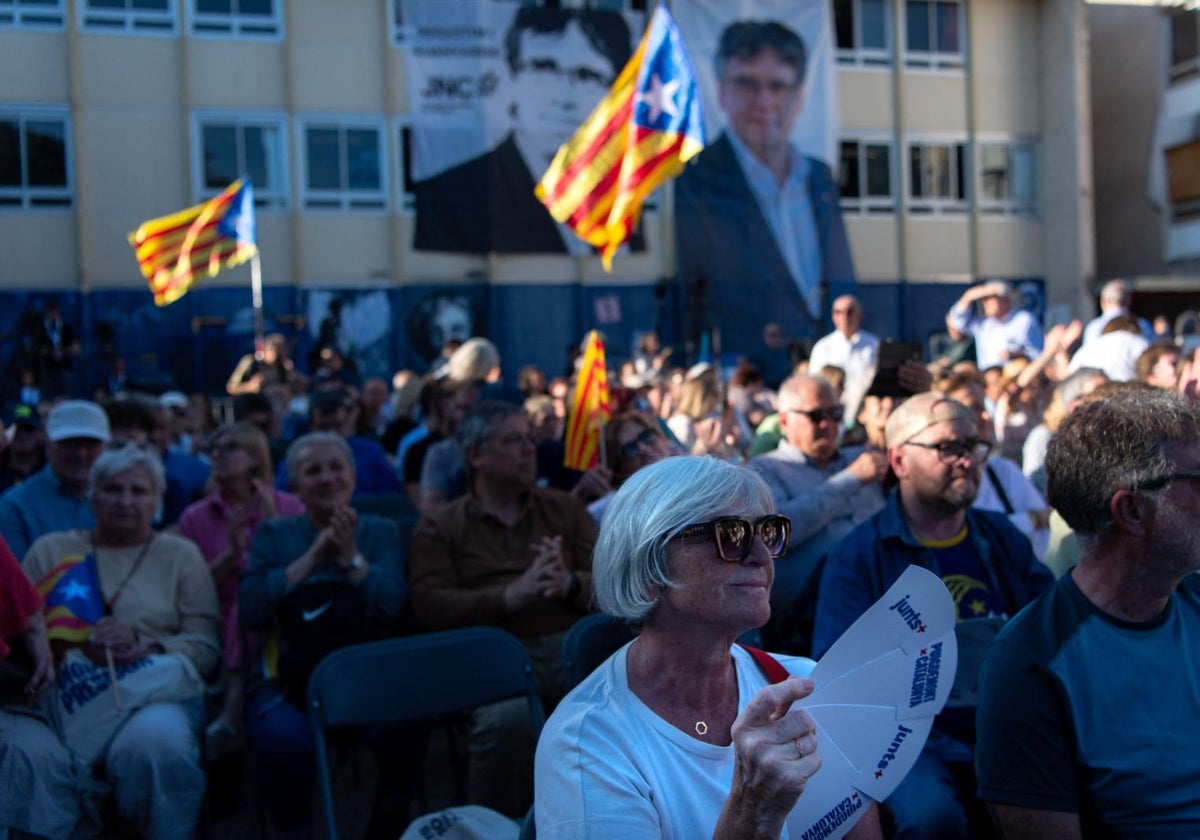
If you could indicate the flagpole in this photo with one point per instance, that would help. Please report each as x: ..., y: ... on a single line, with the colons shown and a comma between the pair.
x: 112, y: 676
x: 257, y: 299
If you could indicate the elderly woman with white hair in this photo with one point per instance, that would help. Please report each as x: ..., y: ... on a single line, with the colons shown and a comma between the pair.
x: 160, y: 616
x: 682, y: 733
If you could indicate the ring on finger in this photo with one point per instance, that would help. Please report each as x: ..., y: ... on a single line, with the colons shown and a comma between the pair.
x: 799, y: 748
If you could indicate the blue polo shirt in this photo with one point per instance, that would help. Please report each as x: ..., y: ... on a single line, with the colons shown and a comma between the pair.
x: 40, y: 505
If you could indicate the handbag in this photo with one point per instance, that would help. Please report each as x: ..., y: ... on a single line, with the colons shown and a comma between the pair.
x: 85, y: 706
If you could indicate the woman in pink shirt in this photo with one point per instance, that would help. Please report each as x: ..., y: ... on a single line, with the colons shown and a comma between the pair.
x: 222, y: 525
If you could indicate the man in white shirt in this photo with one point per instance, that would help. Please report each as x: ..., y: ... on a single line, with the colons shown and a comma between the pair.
x: 850, y: 348
x: 1002, y: 333
x: 1115, y: 297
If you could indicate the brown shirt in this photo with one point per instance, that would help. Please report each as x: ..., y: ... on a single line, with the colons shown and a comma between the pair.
x: 462, y: 559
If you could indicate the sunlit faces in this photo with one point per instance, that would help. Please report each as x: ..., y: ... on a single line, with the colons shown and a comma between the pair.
x: 761, y: 98
x: 324, y: 477
x: 971, y: 395
x: 935, y: 482
x: 709, y: 591
x: 818, y: 440
x: 847, y: 315
x: 560, y: 78
x: 125, y: 502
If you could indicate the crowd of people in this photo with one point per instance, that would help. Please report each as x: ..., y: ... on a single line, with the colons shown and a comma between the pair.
x: 1046, y: 478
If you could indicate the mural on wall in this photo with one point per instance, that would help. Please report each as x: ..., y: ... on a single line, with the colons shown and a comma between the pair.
x: 437, y: 317
x: 358, y: 323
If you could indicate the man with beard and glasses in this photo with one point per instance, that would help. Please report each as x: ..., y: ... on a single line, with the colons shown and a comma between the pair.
x: 1089, y: 707
x: 936, y: 455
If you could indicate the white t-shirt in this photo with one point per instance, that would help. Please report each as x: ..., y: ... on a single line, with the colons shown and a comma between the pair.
x: 1023, y: 496
x: 856, y: 356
x: 609, y: 767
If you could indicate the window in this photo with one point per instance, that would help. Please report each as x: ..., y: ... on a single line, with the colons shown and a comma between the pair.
x: 866, y: 176
x: 230, y: 146
x: 408, y: 199
x: 1183, y: 181
x: 1007, y: 178
x: 936, y: 183
x: 140, y: 16
x: 1185, y: 45
x: 344, y: 165
x: 32, y: 14
x: 35, y: 159
x: 237, y: 18
x: 864, y: 32
x: 933, y: 33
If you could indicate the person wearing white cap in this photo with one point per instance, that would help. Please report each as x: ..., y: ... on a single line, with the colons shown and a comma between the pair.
x: 55, y: 499
x: 934, y: 450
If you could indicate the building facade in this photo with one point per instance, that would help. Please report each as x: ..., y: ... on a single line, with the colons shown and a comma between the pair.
x: 965, y: 153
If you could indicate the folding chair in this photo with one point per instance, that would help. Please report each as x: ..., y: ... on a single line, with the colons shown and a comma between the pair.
x: 414, y: 678
x: 595, y: 637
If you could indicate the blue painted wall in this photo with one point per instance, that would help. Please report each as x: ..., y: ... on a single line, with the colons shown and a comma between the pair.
x: 193, y: 344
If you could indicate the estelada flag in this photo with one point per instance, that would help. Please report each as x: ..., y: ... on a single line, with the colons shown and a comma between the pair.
x: 73, y: 601
x: 201, y: 240
x: 641, y: 134
x: 589, y: 408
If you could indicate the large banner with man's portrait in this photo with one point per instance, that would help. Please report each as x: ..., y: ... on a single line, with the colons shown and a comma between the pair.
x: 494, y: 89
x: 759, y: 231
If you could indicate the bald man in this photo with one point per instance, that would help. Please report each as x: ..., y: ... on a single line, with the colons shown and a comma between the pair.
x: 850, y: 348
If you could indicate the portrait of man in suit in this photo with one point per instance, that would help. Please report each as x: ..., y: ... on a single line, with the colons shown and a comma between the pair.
x: 562, y: 62
x: 758, y: 227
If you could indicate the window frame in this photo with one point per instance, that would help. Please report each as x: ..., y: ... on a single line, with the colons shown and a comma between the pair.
x: 151, y: 23
x: 934, y: 59
x: 40, y: 199
x: 1012, y: 207
x: 266, y: 198
x: 342, y: 200
x: 1190, y: 68
x: 867, y: 57
x: 870, y: 205
x: 406, y: 197
x: 937, y: 205
x: 14, y: 14
x: 239, y: 26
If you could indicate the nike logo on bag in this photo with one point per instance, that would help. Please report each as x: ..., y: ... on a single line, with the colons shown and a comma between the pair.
x: 313, y: 615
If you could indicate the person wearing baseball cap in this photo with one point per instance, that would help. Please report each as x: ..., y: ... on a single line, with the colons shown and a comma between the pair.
x: 937, y: 457
x: 25, y: 452
x: 55, y: 497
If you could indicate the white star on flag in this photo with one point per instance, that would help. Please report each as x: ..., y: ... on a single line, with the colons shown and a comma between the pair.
x: 75, y: 589
x: 660, y: 97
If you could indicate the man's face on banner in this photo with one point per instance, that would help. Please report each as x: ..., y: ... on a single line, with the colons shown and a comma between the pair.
x: 561, y: 77
x: 761, y: 98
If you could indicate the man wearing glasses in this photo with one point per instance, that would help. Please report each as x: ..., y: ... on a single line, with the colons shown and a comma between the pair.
x: 759, y: 229
x: 562, y: 63
x: 1089, y: 707
x: 988, y: 566
x: 825, y: 491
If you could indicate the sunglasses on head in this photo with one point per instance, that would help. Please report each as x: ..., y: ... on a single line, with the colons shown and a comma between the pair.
x: 816, y: 415
x: 734, y: 535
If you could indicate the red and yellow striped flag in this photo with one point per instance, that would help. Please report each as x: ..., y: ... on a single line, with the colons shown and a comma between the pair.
x: 641, y: 134
x: 172, y: 250
x: 589, y: 408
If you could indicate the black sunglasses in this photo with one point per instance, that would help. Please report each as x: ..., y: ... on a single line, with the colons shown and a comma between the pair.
x: 734, y: 535
x: 816, y: 415
x: 634, y: 447
x: 1163, y: 480
x: 950, y: 451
